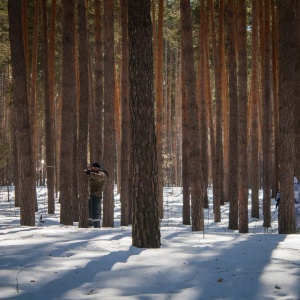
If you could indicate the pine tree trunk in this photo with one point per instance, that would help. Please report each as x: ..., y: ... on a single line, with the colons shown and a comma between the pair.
x: 20, y: 99
x: 83, y: 115
x: 243, y: 114
x: 254, y: 114
x: 198, y: 184
x: 233, y: 118
x: 109, y: 128
x: 145, y: 226
x: 287, y: 58
x: 49, y: 113
x: 266, y: 117
x: 67, y: 157
x: 126, y: 136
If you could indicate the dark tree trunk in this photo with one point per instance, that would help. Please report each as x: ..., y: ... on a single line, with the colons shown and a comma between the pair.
x: 83, y: 115
x: 68, y: 110
x: 145, y: 227
x: 198, y: 184
x: 49, y: 114
x: 109, y: 122
x: 287, y: 57
x: 23, y: 138
x: 126, y: 129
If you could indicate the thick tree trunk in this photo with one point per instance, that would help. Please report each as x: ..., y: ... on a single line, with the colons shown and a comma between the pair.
x: 145, y: 226
x: 23, y: 137
x: 287, y: 58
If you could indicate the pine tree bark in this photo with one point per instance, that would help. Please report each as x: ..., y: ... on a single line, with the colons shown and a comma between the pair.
x: 67, y: 156
x: 287, y: 58
x: 126, y: 128
x: 266, y: 117
x: 145, y: 225
x: 233, y: 118
x: 254, y: 113
x: 83, y: 63
x: 198, y: 184
x: 20, y: 100
x: 96, y: 119
x: 49, y: 113
x: 109, y: 128
x: 243, y: 114
x: 159, y: 103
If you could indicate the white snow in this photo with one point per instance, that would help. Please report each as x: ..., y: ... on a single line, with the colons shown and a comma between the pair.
x: 52, y: 261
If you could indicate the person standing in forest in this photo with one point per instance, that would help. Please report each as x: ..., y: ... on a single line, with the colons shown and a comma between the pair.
x: 97, y: 178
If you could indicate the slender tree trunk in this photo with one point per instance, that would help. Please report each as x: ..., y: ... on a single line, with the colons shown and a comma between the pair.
x: 266, y: 125
x: 233, y: 119
x: 243, y: 113
x: 83, y: 114
x: 254, y: 113
x: 68, y: 109
x: 51, y: 204
x: 219, y: 176
x: 275, y: 185
x: 49, y: 120
x: 126, y: 128
x: 186, y: 209
x: 198, y: 185
x: 96, y: 126
x: 159, y: 103
x: 109, y: 128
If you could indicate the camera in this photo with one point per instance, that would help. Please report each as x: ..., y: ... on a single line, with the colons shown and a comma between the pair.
x: 88, y: 172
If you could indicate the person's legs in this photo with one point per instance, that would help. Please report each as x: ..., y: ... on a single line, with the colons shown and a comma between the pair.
x: 96, y: 211
x: 90, y: 212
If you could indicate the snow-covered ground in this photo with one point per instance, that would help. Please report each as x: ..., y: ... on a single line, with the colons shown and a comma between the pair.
x: 51, y: 261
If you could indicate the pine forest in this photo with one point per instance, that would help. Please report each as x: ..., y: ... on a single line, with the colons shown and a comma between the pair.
x: 192, y: 94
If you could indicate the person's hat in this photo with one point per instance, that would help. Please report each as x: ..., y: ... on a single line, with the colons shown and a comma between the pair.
x: 96, y: 165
